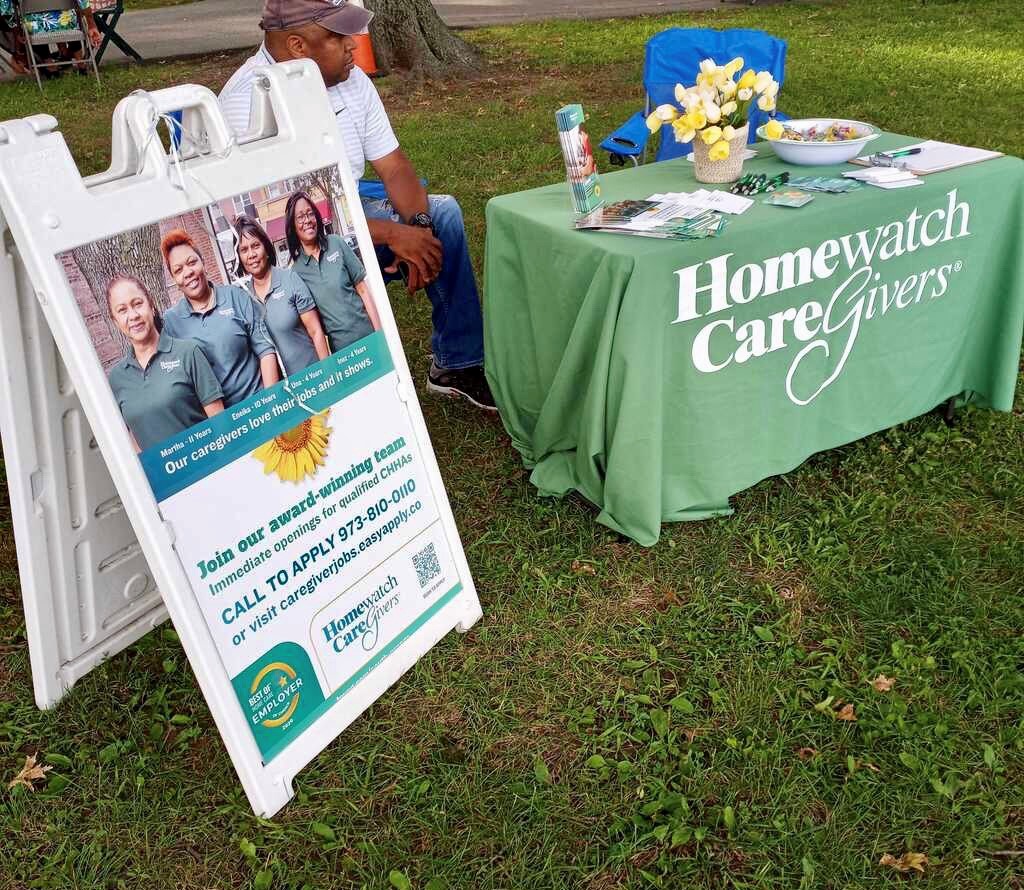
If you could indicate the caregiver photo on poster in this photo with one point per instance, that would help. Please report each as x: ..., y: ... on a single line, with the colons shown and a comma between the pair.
x: 200, y: 312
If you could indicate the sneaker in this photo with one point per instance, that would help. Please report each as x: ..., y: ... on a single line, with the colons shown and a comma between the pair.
x: 464, y: 383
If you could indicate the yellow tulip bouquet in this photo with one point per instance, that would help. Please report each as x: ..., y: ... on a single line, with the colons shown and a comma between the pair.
x: 717, y: 106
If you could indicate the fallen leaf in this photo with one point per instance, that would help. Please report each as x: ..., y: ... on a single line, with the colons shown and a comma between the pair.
x: 806, y: 753
x: 29, y: 773
x: 907, y: 862
x: 882, y: 683
x: 846, y: 713
x: 582, y: 568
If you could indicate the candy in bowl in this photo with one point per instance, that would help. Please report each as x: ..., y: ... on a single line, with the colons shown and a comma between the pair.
x: 817, y: 141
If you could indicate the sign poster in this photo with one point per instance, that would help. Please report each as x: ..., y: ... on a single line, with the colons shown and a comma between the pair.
x: 245, y: 353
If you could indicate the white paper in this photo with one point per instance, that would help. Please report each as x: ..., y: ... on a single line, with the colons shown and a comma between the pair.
x: 725, y: 201
x: 880, y: 174
x: 898, y: 184
x: 705, y: 199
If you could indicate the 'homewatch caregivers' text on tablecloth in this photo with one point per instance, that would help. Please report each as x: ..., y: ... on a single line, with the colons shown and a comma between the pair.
x: 832, y: 324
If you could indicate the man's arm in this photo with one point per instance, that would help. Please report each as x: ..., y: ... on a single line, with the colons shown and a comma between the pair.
x: 415, y: 246
x: 406, y: 192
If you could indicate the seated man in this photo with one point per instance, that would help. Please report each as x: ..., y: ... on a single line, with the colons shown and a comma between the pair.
x: 418, y: 235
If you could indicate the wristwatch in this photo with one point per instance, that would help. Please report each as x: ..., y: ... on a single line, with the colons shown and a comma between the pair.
x: 422, y: 221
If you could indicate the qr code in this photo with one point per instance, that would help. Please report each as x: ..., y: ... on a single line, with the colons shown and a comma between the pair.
x: 426, y: 565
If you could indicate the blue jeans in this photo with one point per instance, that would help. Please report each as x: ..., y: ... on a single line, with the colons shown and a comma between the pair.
x: 458, y: 338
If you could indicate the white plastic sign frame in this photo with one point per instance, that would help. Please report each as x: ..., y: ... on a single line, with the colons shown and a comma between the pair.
x: 86, y: 588
x: 49, y: 209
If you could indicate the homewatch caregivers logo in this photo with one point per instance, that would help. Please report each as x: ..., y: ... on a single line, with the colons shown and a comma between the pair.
x: 711, y: 287
x: 362, y: 623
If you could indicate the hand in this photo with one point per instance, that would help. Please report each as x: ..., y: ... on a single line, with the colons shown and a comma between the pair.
x: 419, y: 250
x: 95, y: 38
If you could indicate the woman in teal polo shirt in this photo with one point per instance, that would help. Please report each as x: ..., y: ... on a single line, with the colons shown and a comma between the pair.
x: 223, y: 318
x: 332, y: 272
x: 162, y: 385
x: 289, y: 313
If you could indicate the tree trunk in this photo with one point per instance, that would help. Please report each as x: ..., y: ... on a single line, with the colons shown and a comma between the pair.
x: 408, y: 35
x: 134, y: 253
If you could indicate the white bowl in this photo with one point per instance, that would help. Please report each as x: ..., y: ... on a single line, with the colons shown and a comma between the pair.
x: 817, y: 154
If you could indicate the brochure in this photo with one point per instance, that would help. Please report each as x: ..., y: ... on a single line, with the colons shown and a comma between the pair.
x: 580, y: 167
x: 655, y: 219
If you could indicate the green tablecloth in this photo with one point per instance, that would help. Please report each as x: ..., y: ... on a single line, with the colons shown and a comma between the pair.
x: 660, y: 377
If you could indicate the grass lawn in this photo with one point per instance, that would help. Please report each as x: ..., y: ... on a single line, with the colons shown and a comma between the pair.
x: 621, y: 717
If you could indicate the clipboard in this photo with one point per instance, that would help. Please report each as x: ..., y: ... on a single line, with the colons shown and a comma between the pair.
x: 937, y: 157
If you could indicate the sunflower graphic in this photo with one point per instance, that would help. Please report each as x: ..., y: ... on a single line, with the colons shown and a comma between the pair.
x: 297, y: 453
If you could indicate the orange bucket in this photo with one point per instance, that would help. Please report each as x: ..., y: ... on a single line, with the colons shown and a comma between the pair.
x: 363, y: 54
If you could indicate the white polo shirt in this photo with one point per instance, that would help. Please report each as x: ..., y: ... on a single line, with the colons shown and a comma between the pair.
x: 362, y: 121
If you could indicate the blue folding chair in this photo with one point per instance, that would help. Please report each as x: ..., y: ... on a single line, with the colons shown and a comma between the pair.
x: 674, y: 56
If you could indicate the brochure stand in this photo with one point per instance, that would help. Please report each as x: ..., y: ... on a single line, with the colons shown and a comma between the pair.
x: 95, y: 546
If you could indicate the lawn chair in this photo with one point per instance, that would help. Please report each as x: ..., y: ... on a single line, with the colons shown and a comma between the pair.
x: 107, y: 13
x: 674, y: 56
x: 60, y: 21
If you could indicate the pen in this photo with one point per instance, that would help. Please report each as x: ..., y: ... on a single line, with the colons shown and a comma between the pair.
x: 902, y: 152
